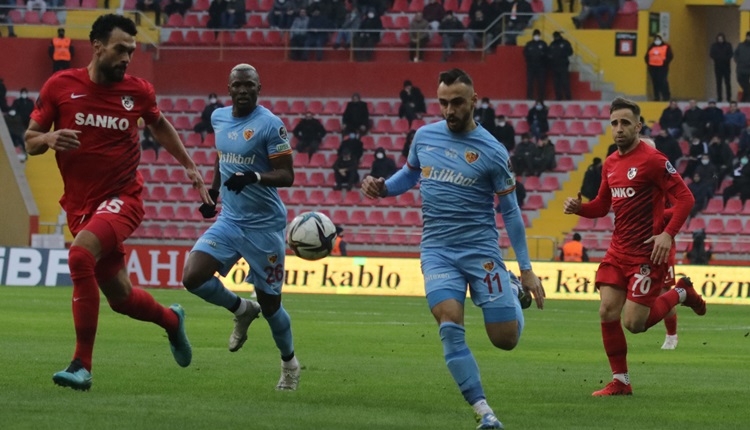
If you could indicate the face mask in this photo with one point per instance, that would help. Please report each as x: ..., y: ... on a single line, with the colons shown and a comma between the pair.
x: 743, y: 160
x: 485, y: 105
x: 538, y: 107
x: 23, y: 95
x: 12, y: 112
x: 212, y: 100
x: 352, y: 136
x: 501, y: 123
x: 704, y: 162
x: 371, y: 15
x: 536, y: 38
x: 657, y: 42
x: 379, y: 155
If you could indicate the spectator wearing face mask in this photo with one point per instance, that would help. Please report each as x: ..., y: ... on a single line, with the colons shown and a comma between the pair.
x: 23, y: 106
x: 352, y: 144
x: 484, y: 114
x: 537, y: 119
x: 368, y: 37
x: 658, y: 56
x: 702, y: 191
x: 505, y: 133
x: 740, y: 182
x: 707, y: 171
x: 535, y: 53
x: 309, y: 133
x: 697, y: 150
x: 204, y: 126
x: 383, y: 166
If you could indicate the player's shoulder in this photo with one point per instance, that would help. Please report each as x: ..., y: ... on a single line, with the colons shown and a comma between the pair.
x: 136, y: 83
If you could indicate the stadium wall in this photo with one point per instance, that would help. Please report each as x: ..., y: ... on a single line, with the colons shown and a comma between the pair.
x: 161, y: 267
x: 19, y: 212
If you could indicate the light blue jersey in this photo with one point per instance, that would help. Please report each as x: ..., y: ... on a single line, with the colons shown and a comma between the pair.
x: 249, y: 143
x: 461, y: 173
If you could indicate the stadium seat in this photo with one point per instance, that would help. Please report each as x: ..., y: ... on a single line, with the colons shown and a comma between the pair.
x: 315, y: 106
x: 197, y: 105
x: 555, y: 111
x: 319, y: 160
x: 393, y: 218
x: 413, y: 218
x: 416, y: 6
x: 281, y: 107
x: 170, y: 231
x: 264, y: 5
x: 433, y: 109
x: 594, y: 128
x: 577, y: 128
x: 176, y: 194
x: 275, y: 38
x: 382, y: 125
x: 715, y: 226
x: 401, y: 125
x: 382, y: 108
x: 573, y: 111
x: 532, y: 183
x: 520, y: 110
x: 501, y: 108
x: 319, y: 179
x: 334, y: 198
x: 733, y: 207
x: 255, y: 38
x: 401, y: 22
x: 50, y: 18
x: 165, y: 213
x: 333, y: 125
x: 332, y: 107
x: 400, y: 6
x: 207, y: 38
x: 351, y: 198
x: 630, y: 7
x: 564, y: 164
x: 225, y: 38
x: 298, y: 197
x: 356, y: 217
x: 696, y: 224
x: 153, y: 231
x: 187, y: 213
x: 534, y: 202
x: 591, y: 112
x: 165, y: 103
x: 558, y: 128
x: 406, y: 200
x: 584, y: 224
x: 389, y: 38
x: 188, y: 232
x: 298, y: 107
x: 175, y: 38
x: 192, y: 37
x: 178, y: 176
x: 580, y: 146
x: 174, y: 20
x: 181, y: 105
x: 375, y: 217
x: 386, y: 143
x: 146, y: 173
x: 316, y: 197
x: 32, y: 17
x: 387, y: 21
x: 158, y: 193
x: 301, y: 159
x: 255, y: 21
x: 16, y: 17
x: 562, y: 146
x: 733, y: 226
x: 715, y: 206
x: 191, y: 20
x: 201, y: 5
x: 550, y: 183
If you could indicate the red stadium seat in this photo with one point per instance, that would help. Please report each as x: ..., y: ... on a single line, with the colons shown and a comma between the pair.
x: 594, y: 128
x: 413, y: 218
x: 577, y: 128
x: 416, y: 6
x: 382, y: 108
x: 573, y: 111
x: 181, y: 105
x: 584, y: 224
x: 550, y: 183
x: 192, y: 37
x: 165, y: 104
x: 316, y: 197
x: 590, y: 111
x: 406, y: 200
x: 534, y: 202
x: 255, y: 21
x: 165, y: 213
x: 733, y: 207
x: 175, y: 38
x: 50, y: 18
x: 555, y: 111
x: 604, y: 224
x: 333, y: 125
x: 298, y: 107
x: 351, y: 198
x: 564, y: 164
x: 334, y: 198
x: 201, y: 5
x: 188, y: 232
x: 298, y: 197
x: 319, y: 160
x: 532, y: 183
x: 696, y: 224
x: 733, y: 226
x: 715, y: 206
x: 32, y: 17
x: 332, y: 107
x: 562, y: 146
x: 394, y: 218
x: 558, y: 128
x: 158, y: 193
x: 207, y: 38
x: 318, y: 179
x: 520, y: 110
x: 580, y: 146
x: 387, y: 21
x: 315, y: 106
x: 176, y: 194
x: 400, y: 6
x: 191, y: 20
x: 715, y: 226
x: 174, y: 20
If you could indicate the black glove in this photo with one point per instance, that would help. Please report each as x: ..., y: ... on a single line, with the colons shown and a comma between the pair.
x: 208, y: 210
x: 238, y: 181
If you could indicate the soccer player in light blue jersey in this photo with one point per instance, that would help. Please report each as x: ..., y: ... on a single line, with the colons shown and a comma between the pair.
x: 461, y: 168
x: 254, y: 158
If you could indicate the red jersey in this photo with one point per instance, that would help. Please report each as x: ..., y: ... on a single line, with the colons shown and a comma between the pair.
x: 635, y: 185
x: 106, y: 163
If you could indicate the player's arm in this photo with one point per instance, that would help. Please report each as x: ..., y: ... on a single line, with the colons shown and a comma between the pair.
x: 208, y: 210
x: 38, y: 139
x: 679, y: 195
x: 281, y: 174
x: 167, y: 136
x: 596, y: 208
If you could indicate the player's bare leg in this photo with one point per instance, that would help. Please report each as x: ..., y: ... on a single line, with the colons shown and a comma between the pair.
x: 449, y: 315
x: 615, y: 345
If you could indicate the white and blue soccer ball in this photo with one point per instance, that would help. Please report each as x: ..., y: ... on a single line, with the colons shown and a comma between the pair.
x: 311, y: 235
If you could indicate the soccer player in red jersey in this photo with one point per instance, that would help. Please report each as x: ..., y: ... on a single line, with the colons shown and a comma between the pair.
x: 636, y: 181
x: 95, y: 111
x: 670, y: 320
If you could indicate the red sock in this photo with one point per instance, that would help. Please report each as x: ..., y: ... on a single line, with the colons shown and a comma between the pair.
x: 615, y: 346
x: 662, y: 306
x: 141, y: 305
x: 85, y: 302
x: 671, y: 323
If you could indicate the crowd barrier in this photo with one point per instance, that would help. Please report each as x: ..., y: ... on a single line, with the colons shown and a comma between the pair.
x: 161, y: 267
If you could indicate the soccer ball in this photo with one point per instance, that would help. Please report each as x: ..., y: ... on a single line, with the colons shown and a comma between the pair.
x: 311, y: 235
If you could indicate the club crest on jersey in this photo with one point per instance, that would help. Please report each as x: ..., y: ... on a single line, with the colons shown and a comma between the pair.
x: 632, y: 172
x: 471, y: 156
x: 426, y: 170
x: 127, y: 102
x: 248, y: 133
x: 273, y: 258
x: 645, y: 270
x: 488, y: 265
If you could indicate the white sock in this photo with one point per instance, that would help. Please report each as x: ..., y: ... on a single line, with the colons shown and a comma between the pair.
x: 672, y: 336
x: 481, y: 407
x: 622, y: 377
x: 291, y: 364
x: 243, y: 307
x: 681, y: 292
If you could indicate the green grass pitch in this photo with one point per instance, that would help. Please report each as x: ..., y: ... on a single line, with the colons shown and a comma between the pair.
x: 370, y: 362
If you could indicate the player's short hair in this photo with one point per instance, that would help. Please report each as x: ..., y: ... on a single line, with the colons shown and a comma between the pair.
x: 243, y: 67
x: 623, y: 103
x: 103, y: 26
x: 452, y: 76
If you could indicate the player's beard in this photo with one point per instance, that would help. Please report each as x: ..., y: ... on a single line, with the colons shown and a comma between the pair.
x: 458, y: 124
x: 113, y: 73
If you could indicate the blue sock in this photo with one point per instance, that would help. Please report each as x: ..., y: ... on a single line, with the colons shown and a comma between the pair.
x: 461, y: 362
x: 213, y: 291
x: 281, y: 329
